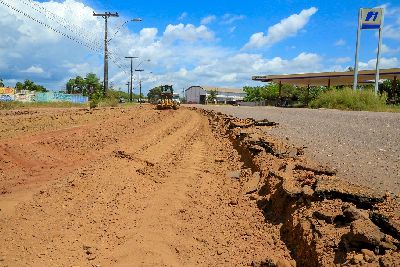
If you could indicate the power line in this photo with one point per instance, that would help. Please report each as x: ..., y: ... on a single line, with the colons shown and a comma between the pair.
x: 48, y: 26
x: 86, y: 42
x: 66, y: 24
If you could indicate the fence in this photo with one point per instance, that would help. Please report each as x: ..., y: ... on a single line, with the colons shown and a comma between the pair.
x: 9, y: 94
x: 60, y: 97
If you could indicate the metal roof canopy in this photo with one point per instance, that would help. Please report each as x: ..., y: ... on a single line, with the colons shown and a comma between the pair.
x: 329, y: 78
x: 219, y: 89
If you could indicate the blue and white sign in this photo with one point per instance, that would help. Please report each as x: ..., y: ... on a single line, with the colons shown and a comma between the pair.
x: 371, y: 18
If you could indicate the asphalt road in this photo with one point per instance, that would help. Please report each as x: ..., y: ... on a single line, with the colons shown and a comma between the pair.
x: 363, y: 146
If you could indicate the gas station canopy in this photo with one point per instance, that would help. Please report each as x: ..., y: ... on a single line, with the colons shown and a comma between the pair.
x: 330, y: 78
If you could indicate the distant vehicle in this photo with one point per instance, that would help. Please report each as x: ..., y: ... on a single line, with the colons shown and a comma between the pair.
x: 121, y: 100
x: 176, y: 98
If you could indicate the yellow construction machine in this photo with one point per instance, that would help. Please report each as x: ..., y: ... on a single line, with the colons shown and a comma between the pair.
x: 166, y: 100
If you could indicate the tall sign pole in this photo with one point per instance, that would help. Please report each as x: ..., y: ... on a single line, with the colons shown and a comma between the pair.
x: 378, y: 56
x: 357, y: 50
x: 369, y: 19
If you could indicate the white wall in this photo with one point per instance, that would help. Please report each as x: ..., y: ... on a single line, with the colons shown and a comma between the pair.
x: 193, y: 94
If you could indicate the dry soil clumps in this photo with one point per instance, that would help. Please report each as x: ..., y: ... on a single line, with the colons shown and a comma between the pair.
x: 324, y: 219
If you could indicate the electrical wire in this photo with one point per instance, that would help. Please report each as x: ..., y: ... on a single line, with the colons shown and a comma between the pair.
x: 86, y: 42
x: 66, y: 24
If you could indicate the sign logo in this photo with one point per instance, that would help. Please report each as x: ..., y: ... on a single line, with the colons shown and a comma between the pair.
x: 371, y: 18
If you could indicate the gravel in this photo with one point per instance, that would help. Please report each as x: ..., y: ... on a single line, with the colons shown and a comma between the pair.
x: 363, y: 146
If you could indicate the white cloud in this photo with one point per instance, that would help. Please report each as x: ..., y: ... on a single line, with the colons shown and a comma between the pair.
x: 384, y: 63
x: 187, y: 32
x: 389, y: 10
x: 231, y: 18
x: 208, y: 19
x: 34, y: 70
x: 148, y: 35
x: 387, y: 50
x: 340, y: 42
x: 183, y: 16
x: 391, y: 32
x: 45, y: 50
x: 287, y: 27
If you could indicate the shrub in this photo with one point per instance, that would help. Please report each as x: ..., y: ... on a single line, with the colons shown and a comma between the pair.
x: 349, y: 99
x: 108, y: 102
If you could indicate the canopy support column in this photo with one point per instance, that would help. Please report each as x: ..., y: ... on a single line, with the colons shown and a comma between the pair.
x: 278, y: 103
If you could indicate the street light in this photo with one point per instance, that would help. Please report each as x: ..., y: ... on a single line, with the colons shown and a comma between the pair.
x: 122, y: 25
x: 106, y: 16
x: 131, y: 88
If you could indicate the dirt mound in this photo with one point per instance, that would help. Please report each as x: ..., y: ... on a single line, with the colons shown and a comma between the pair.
x: 324, y: 220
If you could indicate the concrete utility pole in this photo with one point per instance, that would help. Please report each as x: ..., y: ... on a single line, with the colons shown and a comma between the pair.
x: 105, y: 16
x: 140, y: 85
x: 131, y: 89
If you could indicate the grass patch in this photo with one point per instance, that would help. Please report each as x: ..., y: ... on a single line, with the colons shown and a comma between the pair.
x: 24, y: 105
x: 108, y: 102
x: 349, y: 99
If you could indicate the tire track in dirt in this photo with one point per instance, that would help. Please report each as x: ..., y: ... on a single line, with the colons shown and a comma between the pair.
x: 161, y: 197
x: 63, y: 150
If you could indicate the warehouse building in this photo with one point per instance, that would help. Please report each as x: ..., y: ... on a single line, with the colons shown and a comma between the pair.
x: 199, y: 94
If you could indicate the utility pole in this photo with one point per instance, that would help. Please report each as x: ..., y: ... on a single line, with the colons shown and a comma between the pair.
x: 131, y: 89
x: 105, y: 16
x: 140, y: 85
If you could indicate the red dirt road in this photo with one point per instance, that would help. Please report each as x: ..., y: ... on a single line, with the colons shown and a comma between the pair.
x: 124, y: 187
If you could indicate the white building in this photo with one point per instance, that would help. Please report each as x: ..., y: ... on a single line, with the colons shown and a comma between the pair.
x: 199, y: 94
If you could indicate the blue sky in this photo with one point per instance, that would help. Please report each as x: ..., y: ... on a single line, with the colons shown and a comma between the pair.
x: 221, y: 43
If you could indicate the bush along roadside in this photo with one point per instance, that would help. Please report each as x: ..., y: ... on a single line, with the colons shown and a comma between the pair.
x: 349, y: 99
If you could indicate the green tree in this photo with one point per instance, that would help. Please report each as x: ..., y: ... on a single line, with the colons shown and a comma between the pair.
x: 254, y: 93
x: 19, y: 86
x: 270, y: 91
x: 1, y: 83
x: 93, y: 84
x: 30, y: 85
x: 77, y: 86
x: 154, y: 93
x: 88, y: 86
x: 212, y: 96
x: 393, y: 93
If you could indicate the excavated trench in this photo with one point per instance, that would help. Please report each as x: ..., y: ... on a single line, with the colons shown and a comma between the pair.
x: 324, y: 220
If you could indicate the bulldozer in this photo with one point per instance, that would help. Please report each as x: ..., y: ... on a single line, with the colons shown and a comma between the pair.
x: 166, y: 100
